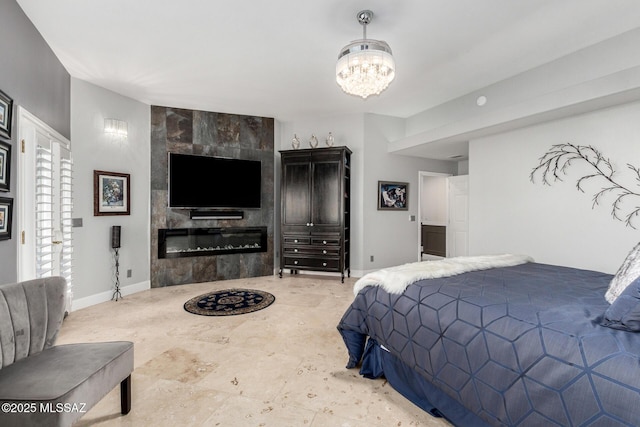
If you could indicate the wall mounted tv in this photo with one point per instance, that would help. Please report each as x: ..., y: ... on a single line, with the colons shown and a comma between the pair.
x: 201, y: 182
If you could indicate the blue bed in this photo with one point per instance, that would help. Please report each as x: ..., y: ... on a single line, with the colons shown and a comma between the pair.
x: 512, y: 346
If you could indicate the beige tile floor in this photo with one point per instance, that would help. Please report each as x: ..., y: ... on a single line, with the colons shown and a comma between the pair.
x: 281, y: 366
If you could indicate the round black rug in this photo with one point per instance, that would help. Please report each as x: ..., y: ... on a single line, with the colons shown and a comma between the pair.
x: 229, y: 302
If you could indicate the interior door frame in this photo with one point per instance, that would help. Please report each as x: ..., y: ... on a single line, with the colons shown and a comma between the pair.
x: 421, y: 175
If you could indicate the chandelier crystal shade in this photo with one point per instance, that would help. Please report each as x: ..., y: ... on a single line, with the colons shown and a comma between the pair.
x: 365, y: 67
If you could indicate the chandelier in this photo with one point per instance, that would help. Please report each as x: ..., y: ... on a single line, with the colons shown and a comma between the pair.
x: 365, y: 67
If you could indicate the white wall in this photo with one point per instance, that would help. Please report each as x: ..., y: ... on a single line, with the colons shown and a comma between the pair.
x: 93, y: 150
x: 391, y: 237
x: 463, y: 167
x: 555, y: 224
x: 433, y: 200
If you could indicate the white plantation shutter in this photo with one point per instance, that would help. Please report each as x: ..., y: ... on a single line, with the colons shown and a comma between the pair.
x: 66, y: 226
x: 44, y: 212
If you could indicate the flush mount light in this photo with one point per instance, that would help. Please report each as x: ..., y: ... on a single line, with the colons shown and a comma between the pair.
x: 365, y: 67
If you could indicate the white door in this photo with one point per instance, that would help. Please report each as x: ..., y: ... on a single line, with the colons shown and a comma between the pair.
x: 458, y: 226
x: 45, y: 197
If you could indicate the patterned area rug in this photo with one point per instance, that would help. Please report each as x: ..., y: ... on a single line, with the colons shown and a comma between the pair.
x: 229, y: 302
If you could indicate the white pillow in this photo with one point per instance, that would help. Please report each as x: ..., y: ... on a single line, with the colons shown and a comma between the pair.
x: 627, y: 273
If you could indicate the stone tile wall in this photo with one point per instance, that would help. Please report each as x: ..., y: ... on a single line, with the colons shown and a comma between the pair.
x: 209, y: 134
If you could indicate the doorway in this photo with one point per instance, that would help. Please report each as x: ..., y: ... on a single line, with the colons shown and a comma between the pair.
x: 433, y: 213
x: 46, y: 201
x: 442, y: 211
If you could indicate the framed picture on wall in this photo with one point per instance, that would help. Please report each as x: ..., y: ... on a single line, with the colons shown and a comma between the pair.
x: 6, y: 210
x: 393, y: 196
x: 111, y: 195
x: 6, y: 109
x: 5, y: 166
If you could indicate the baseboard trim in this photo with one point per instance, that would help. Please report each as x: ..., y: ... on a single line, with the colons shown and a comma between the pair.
x: 81, y: 303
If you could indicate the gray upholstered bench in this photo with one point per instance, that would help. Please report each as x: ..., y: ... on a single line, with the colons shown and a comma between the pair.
x: 46, y: 385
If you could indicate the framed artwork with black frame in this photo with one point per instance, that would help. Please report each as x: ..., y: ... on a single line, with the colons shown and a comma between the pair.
x: 6, y: 211
x: 111, y: 193
x: 5, y: 166
x: 393, y: 196
x: 6, y: 110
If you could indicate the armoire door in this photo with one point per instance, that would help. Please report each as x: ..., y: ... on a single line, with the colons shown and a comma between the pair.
x: 326, y: 195
x: 296, y: 194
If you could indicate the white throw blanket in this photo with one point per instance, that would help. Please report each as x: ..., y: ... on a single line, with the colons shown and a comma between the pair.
x: 396, y: 279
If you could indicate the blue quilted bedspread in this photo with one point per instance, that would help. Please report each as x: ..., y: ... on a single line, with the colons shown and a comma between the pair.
x: 518, y: 346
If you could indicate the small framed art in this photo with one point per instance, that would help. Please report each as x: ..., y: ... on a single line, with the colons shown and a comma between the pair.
x: 111, y: 195
x: 6, y: 211
x: 6, y: 109
x: 392, y: 196
x: 5, y: 166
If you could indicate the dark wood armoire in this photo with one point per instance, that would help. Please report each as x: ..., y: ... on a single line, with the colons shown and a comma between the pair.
x: 315, y: 195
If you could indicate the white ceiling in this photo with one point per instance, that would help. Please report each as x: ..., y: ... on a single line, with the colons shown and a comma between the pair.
x: 277, y: 58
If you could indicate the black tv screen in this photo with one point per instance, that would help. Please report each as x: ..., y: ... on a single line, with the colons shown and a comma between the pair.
x: 213, y: 182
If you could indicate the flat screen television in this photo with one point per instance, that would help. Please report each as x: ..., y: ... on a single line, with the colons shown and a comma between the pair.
x: 201, y: 182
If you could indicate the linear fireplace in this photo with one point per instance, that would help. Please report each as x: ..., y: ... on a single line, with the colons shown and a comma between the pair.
x: 189, y: 242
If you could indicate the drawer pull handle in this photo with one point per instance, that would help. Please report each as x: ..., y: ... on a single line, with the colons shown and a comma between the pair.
x: 324, y: 264
x: 295, y: 250
x: 324, y: 242
x: 295, y: 262
x: 324, y: 251
x: 295, y: 241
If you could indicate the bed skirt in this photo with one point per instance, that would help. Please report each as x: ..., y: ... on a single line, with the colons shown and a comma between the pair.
x: 377, y: 362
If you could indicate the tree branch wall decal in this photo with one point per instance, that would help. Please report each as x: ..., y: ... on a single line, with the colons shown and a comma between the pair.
x: 555, y: 162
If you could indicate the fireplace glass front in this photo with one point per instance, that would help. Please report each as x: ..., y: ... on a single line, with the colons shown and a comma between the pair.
x: 188, y: 242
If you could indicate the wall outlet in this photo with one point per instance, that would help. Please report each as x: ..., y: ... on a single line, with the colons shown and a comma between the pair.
x: 129, y: 273
x: 412, y: 218
x: 371, y: 258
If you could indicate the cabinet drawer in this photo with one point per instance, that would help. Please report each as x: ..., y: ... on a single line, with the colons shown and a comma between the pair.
x: 311, y: 250
x: 325, y: 240
x: 295, y: 239
x: 311, y: 263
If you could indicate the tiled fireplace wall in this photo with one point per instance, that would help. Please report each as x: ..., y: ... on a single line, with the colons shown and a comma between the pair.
x: 209, y: 134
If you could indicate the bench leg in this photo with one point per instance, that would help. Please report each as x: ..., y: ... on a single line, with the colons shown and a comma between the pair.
x: 125, y: 395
